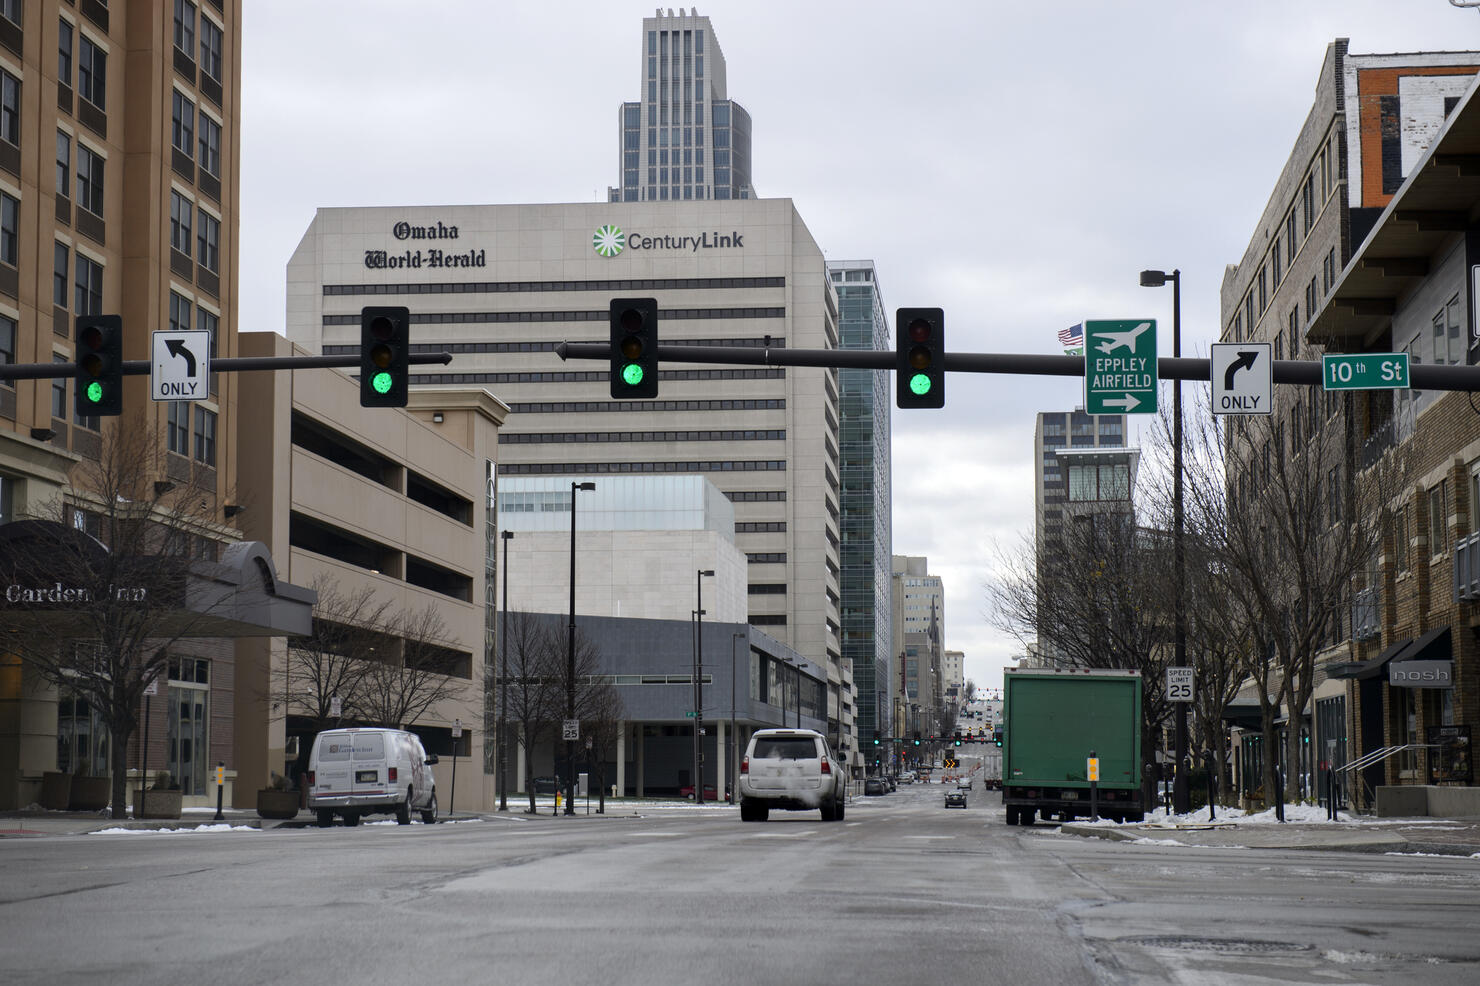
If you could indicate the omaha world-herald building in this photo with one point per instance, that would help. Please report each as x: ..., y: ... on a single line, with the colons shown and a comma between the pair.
x: 499, y: 286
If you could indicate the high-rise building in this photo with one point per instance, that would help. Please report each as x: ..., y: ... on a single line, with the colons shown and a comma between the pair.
x: 917, y: 626
x: 684, y: 139
x: 864, y: 402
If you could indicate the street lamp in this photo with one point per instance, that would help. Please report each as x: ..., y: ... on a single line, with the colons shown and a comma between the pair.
x: 570, y: 659
x: 1181, y: 796
x: 734, y: 754
x: 503, y: 686
x: 699, y: 682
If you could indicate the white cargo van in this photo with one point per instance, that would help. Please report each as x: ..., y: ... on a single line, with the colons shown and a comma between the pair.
x: 354, y: 772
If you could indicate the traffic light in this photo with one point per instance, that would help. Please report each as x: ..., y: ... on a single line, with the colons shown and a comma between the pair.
x: 385, y: 343
x: 919, y: 358
x: 876, y: 737
x: 917, y: 737
x: 99, y: 365
x: 634, y: 348
x: 997, y: 736
x: 956, y: 738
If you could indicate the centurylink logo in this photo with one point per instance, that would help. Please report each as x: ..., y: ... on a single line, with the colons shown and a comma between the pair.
x: 609, y: 240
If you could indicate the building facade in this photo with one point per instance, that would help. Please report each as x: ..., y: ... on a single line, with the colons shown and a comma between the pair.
x: 501, y: 286
x: 864, y: 442
x: 136, y: 107
x: 685, y: 139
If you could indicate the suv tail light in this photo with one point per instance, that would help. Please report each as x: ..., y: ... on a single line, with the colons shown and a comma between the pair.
x: 826, y: 767
x: 744, y: 766
x: 391, y: 772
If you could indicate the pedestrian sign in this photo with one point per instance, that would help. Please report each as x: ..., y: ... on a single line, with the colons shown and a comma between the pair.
x: 1120, y: 373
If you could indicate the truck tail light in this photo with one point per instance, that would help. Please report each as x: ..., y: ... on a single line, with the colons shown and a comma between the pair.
x: 310, y: 778
x: 744, y: 765
x: 391, y: 773
x: 826, y: 767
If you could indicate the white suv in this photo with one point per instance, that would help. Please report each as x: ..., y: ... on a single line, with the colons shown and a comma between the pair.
x: 791, y: 769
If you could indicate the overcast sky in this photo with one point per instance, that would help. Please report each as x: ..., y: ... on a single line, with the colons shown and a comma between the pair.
x: 1016, y: 164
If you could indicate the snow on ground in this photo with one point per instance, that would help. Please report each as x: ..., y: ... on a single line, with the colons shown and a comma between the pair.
x: 1297, y: 814
x: 180, y: 831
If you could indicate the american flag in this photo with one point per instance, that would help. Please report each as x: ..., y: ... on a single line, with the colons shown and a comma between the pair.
x: 1072, y: 339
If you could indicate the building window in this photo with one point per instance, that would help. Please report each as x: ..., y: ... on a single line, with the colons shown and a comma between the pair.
x: 1449, y: 344
x: 7, y: 356
x: 61, y: 261
x: 182, y: 124
x: 64, y: 164
x: 177, y: 427
x: 1400, y: 540
x: 205, y: 436
x: 89, y: 180
x: 1438, y: 534
x: 210, y: 242
x: 88, y: 299
x: 10, y: 218
x: 179, y: 313
x: 185, y: 26
x: 210, y: 49
x: 59, y: 390
x: 210, y: 146
x: 188, y: 728
x: 64, y: 52
x: 82, y: 738
x: 180, y: 212
x: 10, y: 108
x: 92, y: 72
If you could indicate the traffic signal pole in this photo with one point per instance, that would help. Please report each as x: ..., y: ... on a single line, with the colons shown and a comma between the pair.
x: 221, y: 364
x: 1423, y: 376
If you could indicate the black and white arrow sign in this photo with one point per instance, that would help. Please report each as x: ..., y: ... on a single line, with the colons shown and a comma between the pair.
x: 180, y: 365
x: 1242, y: 377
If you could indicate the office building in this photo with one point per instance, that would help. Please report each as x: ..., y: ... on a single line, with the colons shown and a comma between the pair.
x: 684, y: 139
x: 865, y: 402
x: 499, y: 286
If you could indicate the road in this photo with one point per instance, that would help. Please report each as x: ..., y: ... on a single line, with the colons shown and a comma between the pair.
x: 901, y: 891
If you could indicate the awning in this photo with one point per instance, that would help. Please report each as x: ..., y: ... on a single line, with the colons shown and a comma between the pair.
x: 1432, y: 646
x: 1373, y: 668
x: 1242, y: 716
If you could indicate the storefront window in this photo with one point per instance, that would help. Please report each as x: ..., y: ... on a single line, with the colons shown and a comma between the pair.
x: 82, y: 739
x: 189, y: 744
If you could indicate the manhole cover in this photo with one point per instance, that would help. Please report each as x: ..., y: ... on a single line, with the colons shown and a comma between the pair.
x: 1232, y: 946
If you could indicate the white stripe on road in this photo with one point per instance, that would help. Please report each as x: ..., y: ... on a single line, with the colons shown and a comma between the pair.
x: 927, y: 837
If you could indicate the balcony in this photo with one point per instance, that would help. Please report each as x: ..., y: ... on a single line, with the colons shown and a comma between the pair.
x: 1365, y: 624
x: 1383, y: 437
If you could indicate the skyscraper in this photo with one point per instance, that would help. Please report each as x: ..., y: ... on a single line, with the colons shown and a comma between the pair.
x: 684, y: 139
x: 863, y: 436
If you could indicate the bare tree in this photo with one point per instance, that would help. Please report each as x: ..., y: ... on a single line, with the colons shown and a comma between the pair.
x: 412, y: 670
x: 536, y: 665
x: 118, y: 548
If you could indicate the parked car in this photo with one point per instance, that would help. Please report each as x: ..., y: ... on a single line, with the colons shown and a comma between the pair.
x: 875, y: 785
x: 956, y: 799
x: 355, y: 772
x: 687, y: 791
x: 790, y: 769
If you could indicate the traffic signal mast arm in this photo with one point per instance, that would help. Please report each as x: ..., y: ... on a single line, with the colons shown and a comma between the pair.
x: 1423, y: 376
x: 220, y: 364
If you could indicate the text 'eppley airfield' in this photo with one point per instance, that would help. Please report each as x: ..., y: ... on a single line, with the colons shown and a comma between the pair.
x: 1120, y: 375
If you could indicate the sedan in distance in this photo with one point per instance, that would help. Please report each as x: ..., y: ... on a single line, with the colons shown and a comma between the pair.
x: 956, y: 799
x: 875, y: 785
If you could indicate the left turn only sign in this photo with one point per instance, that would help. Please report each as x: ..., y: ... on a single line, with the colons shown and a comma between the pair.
x: 180, y: 365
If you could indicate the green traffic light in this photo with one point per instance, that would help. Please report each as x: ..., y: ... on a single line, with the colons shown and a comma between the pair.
x: 920, y: 384
x: 95, y: 392
x: 632, y: 374
x: 381, y: 382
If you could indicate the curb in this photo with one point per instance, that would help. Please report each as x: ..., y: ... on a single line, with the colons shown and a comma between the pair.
x: 1377, y: 845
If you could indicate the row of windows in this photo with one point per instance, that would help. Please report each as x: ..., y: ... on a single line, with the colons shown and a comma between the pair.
x: 756, y: 496
x: 183, y: 134
x: 90, y: 164
x: 92, y: 64
x: 760, y: 527
x: 210, y: 39
x: 589, y: 407
x: 461, y: 318
x: 87, y: 293
x: 767, y: 620
x: 607, y: 286
x: 582, y: 468
x: 765, y: 557
x: 600, y: 437
x: 207, y: 239
x: 177, y: 432
x: 767, y: 589
x: 592, y: 376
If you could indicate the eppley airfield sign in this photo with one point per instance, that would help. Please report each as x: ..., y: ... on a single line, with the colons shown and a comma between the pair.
x: 1120, y: 366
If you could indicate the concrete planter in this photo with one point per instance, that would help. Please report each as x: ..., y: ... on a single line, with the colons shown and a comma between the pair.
x: 158, y: 804
x: 56, y: 790
x: 90, y: 793
x: 272, y: 803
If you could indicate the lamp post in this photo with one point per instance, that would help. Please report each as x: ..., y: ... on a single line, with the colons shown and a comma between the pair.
x: 503, y: 685
x: 699, y: 682
x: 1181, y: 795
x: 570, y: 658
x: 734, y: 756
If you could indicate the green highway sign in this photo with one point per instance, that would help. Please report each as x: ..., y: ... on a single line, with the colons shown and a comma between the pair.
x: 691, y: 714
x: 1120, y: 374
x: 1365, y: 371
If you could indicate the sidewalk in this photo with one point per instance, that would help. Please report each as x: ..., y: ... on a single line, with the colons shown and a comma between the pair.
x: 1304, y: 828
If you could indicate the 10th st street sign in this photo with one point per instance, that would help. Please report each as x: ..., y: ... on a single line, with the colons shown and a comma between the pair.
x: 1120, y: 366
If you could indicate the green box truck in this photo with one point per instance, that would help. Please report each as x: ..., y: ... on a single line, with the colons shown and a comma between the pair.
x: 1052, y: 721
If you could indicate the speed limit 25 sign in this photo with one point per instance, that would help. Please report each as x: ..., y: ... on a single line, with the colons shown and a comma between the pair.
x: 1179, y: 684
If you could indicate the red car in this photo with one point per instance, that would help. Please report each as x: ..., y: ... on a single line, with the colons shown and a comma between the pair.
x: 687, y: 791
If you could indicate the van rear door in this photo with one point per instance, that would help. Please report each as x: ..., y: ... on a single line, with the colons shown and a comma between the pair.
x: 368, y: 762
x: 332, y: 774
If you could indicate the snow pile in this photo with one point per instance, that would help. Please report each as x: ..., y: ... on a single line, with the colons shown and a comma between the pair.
x: 180, y: 831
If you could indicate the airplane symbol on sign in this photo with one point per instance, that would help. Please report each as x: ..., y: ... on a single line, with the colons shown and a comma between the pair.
x: 1115, y: 340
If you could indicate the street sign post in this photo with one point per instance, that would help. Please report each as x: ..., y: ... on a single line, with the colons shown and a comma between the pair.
x: 1120, y: 374
x: 1365, y: 371
x: 180, y: 365
x: 1179, y: 684
x: 1242, y: 377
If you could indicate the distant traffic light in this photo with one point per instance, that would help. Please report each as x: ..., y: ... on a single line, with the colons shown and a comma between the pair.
x: 917, y: 737
x: 956, y: 738
x: 876, y: 737
x: 634, y: 348
x: 997, y: 736
x: 919, y: 358
x: 385, y: 344
x: 99, y: 375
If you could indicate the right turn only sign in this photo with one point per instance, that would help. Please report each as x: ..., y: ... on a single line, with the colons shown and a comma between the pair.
x: 1242, y: 377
